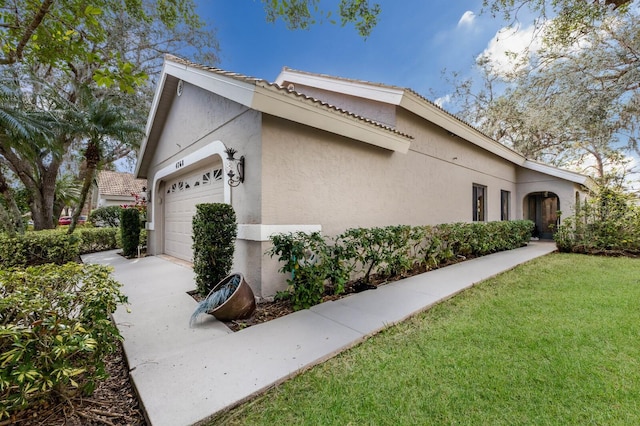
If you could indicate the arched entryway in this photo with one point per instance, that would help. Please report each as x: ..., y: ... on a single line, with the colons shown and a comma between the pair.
x: 542, y: 209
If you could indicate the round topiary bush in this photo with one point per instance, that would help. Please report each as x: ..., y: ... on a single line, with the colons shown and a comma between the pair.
x: 214, y: 235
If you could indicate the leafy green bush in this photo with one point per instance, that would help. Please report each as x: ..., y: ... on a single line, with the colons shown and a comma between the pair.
x: 386, y: 250
x: 143, y: 238
x: 97, y: 239
x: 214, y: 235
x: 607, y: 223
x: 315, y: 264
x: 37, y: 248
x: 307, y: 258
x: 55, y: 331
x: 130, y: 231
x: 106, y: 216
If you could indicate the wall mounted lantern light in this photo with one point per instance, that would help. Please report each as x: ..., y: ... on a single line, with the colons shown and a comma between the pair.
x: 145, y: 194
x: 239, y: 166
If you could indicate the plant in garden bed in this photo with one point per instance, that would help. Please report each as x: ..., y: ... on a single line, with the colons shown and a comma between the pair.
x: 214, y: 235
x: 609, y: 223
x: 308, y: 261
x: 55, y: 330
x: 130, y: 231
x: 315, y: 264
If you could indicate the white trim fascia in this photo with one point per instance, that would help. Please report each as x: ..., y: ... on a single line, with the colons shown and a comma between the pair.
x: 561, y: 173
x: 227, y: 87
x: 195, y: 158
x: 274, y: 102
x: 362, y: 89
x: 151, y: 119
x: 443, y: 119
x: 262, y: 232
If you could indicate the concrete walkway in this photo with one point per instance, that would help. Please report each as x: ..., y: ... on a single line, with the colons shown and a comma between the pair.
x: 184, y: 375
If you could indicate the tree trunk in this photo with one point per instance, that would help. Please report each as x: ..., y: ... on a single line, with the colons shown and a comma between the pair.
x: 39, y: 179
x: 12, y: 218
x: 92, y: 156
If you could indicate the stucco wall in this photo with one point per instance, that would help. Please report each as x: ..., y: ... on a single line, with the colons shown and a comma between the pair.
x: 196, y: 119
x: 316, y: 177
x: 530, y: 181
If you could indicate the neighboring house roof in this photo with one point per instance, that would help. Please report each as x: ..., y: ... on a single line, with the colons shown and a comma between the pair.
x: 118, y: 184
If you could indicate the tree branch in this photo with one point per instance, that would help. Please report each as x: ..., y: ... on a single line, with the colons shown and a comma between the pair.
x: 16, y: 55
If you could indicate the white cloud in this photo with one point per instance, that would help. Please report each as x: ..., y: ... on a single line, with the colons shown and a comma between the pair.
x: 511, y: 48
x: 467, y: 19
x: 442, y: 100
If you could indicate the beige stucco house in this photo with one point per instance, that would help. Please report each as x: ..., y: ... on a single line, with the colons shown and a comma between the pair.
x: 325, y: 153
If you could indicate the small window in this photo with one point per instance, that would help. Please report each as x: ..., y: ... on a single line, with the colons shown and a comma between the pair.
x: 479, y: 203
x: 206, y: 178
x: 505, y: 205
x: 217, y: 174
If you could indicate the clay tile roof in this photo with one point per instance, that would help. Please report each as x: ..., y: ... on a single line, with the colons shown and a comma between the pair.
x: 390, y: 86
x: 117, y: 183
x: 282, y: 90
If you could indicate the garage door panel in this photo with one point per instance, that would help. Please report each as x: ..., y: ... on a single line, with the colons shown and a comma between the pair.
x: 182, y: 194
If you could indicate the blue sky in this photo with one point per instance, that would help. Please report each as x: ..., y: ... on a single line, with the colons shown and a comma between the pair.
x: 414, y: 41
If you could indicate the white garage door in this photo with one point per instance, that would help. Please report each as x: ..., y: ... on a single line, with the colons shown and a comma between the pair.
x: 181, y: 196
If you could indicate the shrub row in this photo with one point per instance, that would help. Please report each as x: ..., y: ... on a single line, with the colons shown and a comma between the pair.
x: 316, y: 264
x: 37, y: 248
x: 55, y: 330
x: 608, y: 223
x: 54, y: 246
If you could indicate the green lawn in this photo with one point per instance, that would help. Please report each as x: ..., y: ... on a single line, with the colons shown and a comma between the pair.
x: 555, y: 341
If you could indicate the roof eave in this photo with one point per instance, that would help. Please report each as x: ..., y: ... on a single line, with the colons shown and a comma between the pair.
x: 233, y: 89
x: 586, y: 181
x: 380, y: 93
x: 139, y: 172
x: 445, y: 120
x: 273, y: 101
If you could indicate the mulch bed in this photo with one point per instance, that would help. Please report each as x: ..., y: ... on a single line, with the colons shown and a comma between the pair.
x: 267, y: 311
x: 113, y: 403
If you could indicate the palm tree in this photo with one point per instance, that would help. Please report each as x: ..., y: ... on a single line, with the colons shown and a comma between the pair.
x: 100, y: 122
x: 20, y: 126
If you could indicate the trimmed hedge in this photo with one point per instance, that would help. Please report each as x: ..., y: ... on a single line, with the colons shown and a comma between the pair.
x: 315, y: 263
x: 37, y: 248
x: 214, y: 235
x: 55, y: 330
x: 97, y: 239
x: 130, y: 231
x: 54, y: 246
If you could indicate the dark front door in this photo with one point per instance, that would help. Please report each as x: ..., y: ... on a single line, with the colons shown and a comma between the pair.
x: 543, y: 211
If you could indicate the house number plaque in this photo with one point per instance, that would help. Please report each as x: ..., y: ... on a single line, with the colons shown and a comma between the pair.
x: 179, y: 164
